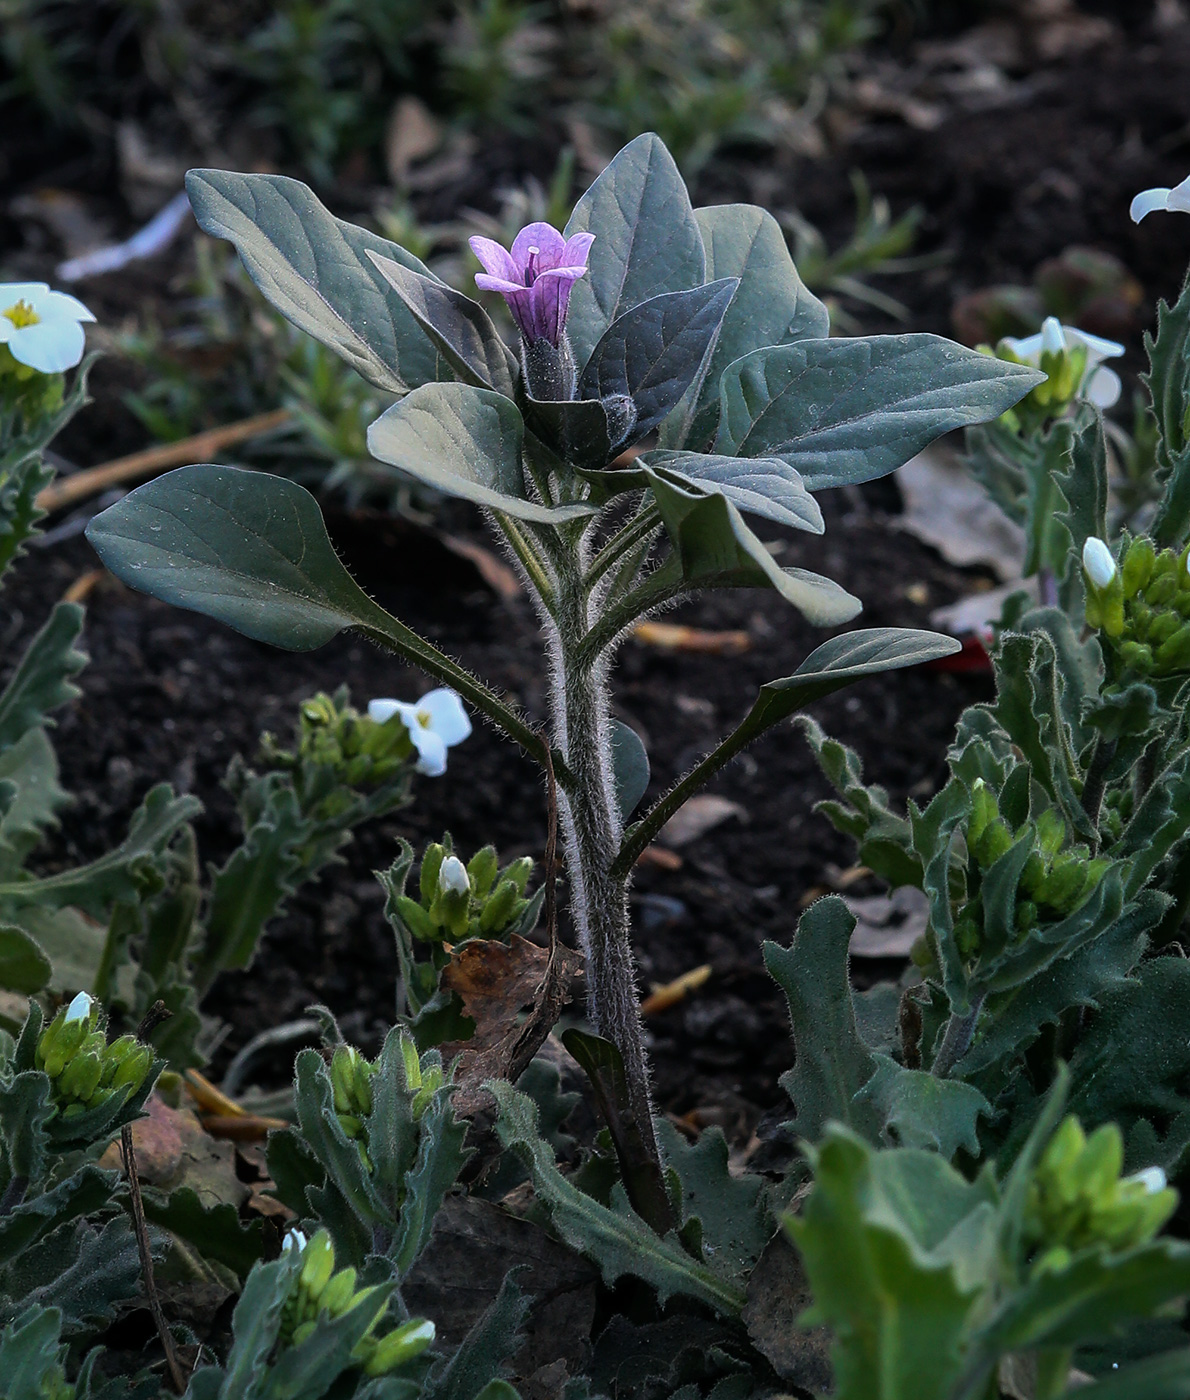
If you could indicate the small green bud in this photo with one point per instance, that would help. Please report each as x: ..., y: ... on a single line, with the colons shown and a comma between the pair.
x: 501, y: 905
x: 1026, y: 915
x: 337, y: 1295
x: 995, y: 842
x: 1104, y: 588
x: 411, y: 1060
x: 399, y: 1346
x: 431, y: 863
x: 452, y: 902
x: 133, y: 1068
x: 1051, y: 831
x: 1137, y: 657
x: 984, y: 810
x: 1174, y: 652
x: 518, y: 872
x: 1161, y: 591
x: 80, y: 1078
x: 1137, y: 567
x: 318, y: 1264
x: 1163, y: 626
x: 482, y: 869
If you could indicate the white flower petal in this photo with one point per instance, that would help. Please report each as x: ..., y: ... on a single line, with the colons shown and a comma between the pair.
x: 294, y: 1239
x: 1029, y: 348
x: 1148, y: 202
x: 381, y: 711
x: 1179, y: 197
x: 1053, y: 341
x: 49, y: 347
x: 452, y: 876
x: 448, y: 719
x: 59, y: 306
x: 1099, y: 562
x: 1102, y: 387
x: 1153, y: 1179
x: 7, y: 330
x: 1096, y: 347
x: 431, y: 751
x: 80, y: 1008
x: 28, y: 292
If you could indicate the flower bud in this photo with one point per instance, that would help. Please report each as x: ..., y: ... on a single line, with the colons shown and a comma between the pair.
x: 318, y: 1263
x: 1053, y: 341
x: 482, y: 869
x: 417, y: 920
x: 452, y: 877
x: 451, y: 907
x: 1137, y: 568
x: 80, y: 1078
x: 497, y: 912
x: 411, y: 1061
x: 400, y: 1345
x: 133, y: 1067
x: 79, y: 1009
x: 431, y: 863
x: 337, y: 1295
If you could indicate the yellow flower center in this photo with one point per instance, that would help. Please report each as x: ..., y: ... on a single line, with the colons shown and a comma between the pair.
x: 425, y: 719
x: 21, y: 315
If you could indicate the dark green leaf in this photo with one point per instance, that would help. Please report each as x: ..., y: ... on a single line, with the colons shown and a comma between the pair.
x: 852, y: 410
x: 714, y: 548
x: 29, y: 1354
x: 440, y: 1157
x: 465, y: 442
x: 1168, y: 383
x: 247, y: 548
x: 577, y: 429
x: 831, y: 1064
x: 460, y: 328
x: 772, y: 305
x: 630, y: 767
x: 255, y: 1326
x: 314, y: 269
x: 24, y: 967
x: 654, y: 352
x: 486, y: 1352
x: 214, y: 1230
x: 30, y: 769
x: 646, y: 240
x: 1165, y: 1377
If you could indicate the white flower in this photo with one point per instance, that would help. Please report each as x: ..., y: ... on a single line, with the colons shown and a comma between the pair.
x: 1153, y: 1179
x: 452, y: 876
x: 294, y: 1239
x: 79, y: 1009
x: 41, y: 328
x: 437, y: 722
x: 1173, y: 201
x: 1099, y: 562
x: 1100, y: 386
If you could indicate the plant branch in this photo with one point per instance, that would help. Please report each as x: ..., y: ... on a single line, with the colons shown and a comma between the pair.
x: 956, y: 1039
x: 660, y: 587
x: 140, y: 1225
x: 519, y: 543
x: 639, y: 528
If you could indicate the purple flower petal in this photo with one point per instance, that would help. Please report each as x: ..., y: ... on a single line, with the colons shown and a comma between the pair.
x: 577, y: 250
x: 496, y: 261
x: 546, y: 239
x: 487, y: 283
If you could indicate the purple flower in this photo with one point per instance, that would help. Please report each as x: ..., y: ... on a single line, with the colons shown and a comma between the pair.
x: 535, y: 278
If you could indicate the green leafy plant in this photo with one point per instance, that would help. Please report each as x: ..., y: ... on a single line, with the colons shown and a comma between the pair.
x: 694, y: 325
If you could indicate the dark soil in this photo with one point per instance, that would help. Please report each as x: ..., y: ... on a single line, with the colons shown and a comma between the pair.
x: 1053, y: 161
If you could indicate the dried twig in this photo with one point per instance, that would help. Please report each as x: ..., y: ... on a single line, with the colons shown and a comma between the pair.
x: 92, y: 480
x: 146, y: 1260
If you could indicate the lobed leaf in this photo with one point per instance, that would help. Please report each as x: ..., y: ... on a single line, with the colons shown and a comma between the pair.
x: 851, y: 410
x: 42, y: 679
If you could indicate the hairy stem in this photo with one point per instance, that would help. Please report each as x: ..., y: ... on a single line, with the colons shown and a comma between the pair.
x: 956, y: 1039
x: 592, y: 829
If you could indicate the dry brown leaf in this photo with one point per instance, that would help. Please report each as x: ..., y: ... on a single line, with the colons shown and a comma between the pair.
x: 494, y: 981
x: 671, y: 636
x: 173, y: 1150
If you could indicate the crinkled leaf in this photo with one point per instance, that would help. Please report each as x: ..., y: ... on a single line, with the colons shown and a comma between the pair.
x: 440, y: 1157
x: 485, y: 1353
x: 459, y: 327
x: 465, y: 442
x: 831, y: 1062
x: 30, y: 766
x: 733, y: 1225
x: 216, y: 1231
x: 29, y: 1354
x: 764, y: 486
x: 646, y: 240
x: 255, y: 1324
x: 851, y: 410
x: 1168, y: 383
x: 315, y: 270
x: 85, y: 1272
x: 655, y: 351
x: 41, y: 681
x: 917, y: 1109
x: 713, y: 547
x: 772, y: 306
x: 86, y: 1192
x: 878, y: 1235
x: 616, y: 1239
x: 120, y: 874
